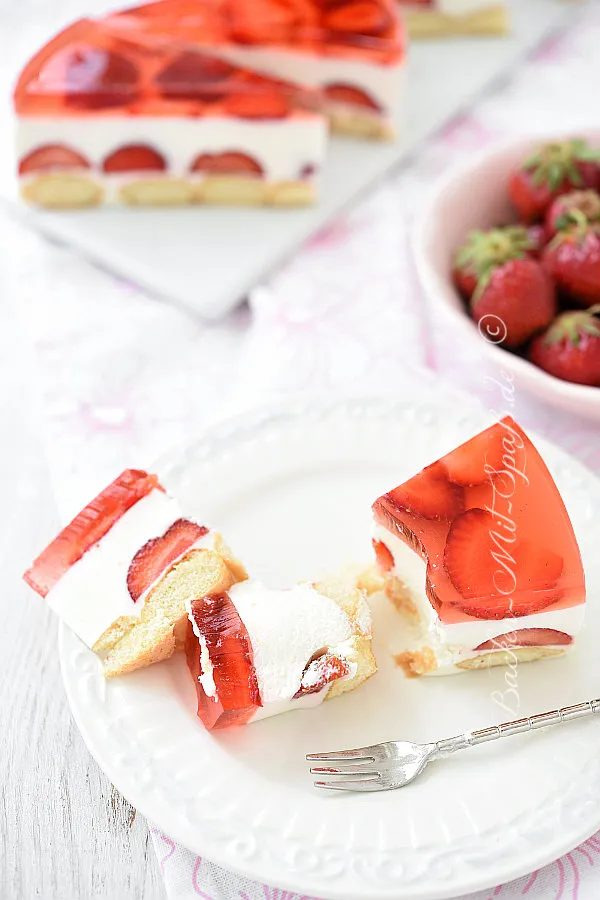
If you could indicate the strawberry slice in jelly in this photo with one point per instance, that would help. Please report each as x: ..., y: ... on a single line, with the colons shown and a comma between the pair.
x: 429, y: 495
x: 230, y: 163
x: 159, y: 553
x: 321, y: 671
x: 357, y: 17
x: 528, y: 637
x: 270, y: 21
x: 478, y: 461
x: 499, y: 574
x: 233, y: 696
x: 95, y: 78
x: 196, y: 76
x: 352, y: 96
x: 258, y: 102
x: 88, y: 528
x: 134, y: 158
x: 52, y: 156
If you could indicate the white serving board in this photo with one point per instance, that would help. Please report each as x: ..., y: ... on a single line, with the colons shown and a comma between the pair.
x: 207, y: 259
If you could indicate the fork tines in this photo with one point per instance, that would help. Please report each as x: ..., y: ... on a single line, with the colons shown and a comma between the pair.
x: 356, y: 771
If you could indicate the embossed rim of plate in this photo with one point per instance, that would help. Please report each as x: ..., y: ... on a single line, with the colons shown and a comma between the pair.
x: 561, y: 822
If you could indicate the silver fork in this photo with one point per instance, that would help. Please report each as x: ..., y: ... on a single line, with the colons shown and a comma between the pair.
x: 382, y: 767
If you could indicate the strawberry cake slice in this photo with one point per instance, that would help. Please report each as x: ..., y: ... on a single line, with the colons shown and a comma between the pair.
x: 480, y: 557
x: 352, y: 51
x: 120, y: 574
x: 439, y: 18
x: 106, y: 113
x: 255, y: 652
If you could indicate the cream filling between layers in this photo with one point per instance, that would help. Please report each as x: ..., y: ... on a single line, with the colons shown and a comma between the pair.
x: 456, y: 641
x: 93, y: 593
x: 386, y: 84
x: 283, y: 148
x: 286, y: 628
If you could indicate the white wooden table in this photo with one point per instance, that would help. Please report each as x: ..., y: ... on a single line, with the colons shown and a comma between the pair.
x: 65, y: 832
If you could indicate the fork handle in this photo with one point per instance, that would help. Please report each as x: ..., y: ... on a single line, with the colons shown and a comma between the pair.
x: 519, y: 726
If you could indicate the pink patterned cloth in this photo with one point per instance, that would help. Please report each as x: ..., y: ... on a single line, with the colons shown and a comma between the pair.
x: 187, y: 877
x: 122, y: 379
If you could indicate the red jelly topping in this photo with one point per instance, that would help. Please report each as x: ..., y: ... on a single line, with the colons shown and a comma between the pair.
x: 52, y: 156
x: 492, y: 526
x: 163, y: 58
x: 237, y: 696
x: 158, y: 554
x: 232, y: 163
x: 528, y: 637
x: 88, y: 528
x: 134, y: 158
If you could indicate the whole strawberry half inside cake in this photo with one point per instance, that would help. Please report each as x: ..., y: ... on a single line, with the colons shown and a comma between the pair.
x: 479, y: 555
x: 120, y: 573
x: 254, y: 652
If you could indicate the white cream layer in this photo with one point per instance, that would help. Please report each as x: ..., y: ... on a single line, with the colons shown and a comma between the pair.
x: 283, y: 148
x: 456, y: 641
x: 384, y: 83
x: 285, y: 627
x: 93, y: 593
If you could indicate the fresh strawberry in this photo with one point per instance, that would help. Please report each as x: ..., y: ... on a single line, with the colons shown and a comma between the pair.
x: 88, y: 528
x: 357, y: 17
x: 230, y: 163
x: 384, y: 557
x: 320, y: 672
x: 485, y: 249
x: 528, y: 637
x: 572, y: 258
x: 570, y: 348
x: 237, y: 696
x: 513, y: 302
x: 537, y: 239
x: 134, y: 158
x: 159, y: 553
x: 563, y: 212
x: 472, y: 558
x: 258, y: 103
x: 352, y: 96
x: 52, y: 156
x: 196, y: 76
x: 98, y: 79
x: 429, y: 495
x: 553, y: 169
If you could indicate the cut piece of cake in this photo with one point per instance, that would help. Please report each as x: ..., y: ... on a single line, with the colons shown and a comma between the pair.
x: 441, y: 18
x: 480, y: 557
x: 255, y: 652
x: 120, y: 574
x: 106, y: 116
x: 352, y: 51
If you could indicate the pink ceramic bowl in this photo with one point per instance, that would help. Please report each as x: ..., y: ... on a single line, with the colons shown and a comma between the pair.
x: 474, y: 196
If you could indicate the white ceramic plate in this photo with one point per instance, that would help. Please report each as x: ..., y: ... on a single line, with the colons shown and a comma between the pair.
x: 292, y: 489
x: 473, y: 196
